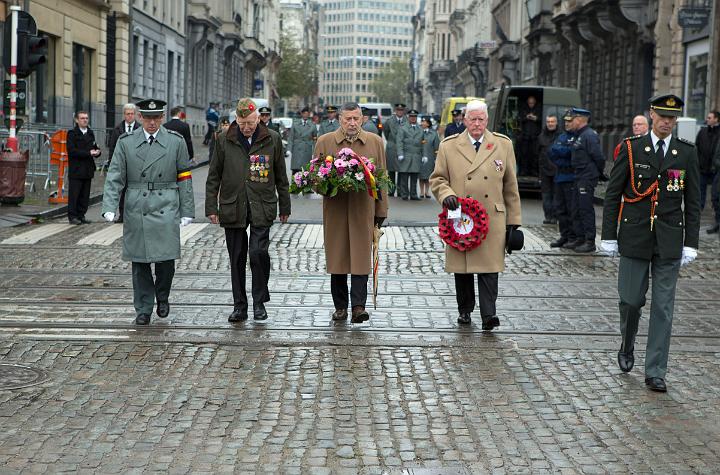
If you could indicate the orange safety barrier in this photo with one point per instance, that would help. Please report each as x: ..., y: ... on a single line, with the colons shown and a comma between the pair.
x: 59, y: 157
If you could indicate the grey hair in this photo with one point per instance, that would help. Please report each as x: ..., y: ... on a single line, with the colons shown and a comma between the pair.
x: 350, y: 106
x: 476, y: 105
x: 128, y: 106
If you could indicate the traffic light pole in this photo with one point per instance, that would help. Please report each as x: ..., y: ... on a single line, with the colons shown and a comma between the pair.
x: 12, y: 142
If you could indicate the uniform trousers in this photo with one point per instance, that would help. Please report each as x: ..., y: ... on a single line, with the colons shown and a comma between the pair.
x: 339, y: 290
x: 488, y: 292
x: 585, y: 215
x: 407, y: 185
x: 632, y: 287
x: 565, y: 209
x: 547, y: 188
x: 146, y: 289
x: 238, y: 250
x: 78, y: 197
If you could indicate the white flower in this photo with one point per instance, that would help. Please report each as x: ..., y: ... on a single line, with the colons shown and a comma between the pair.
x: 359, y: 176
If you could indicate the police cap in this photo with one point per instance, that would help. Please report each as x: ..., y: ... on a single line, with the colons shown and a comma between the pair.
x: 151, y: 107
x: 667, y: 104
x: 305, y: 109
x: 400, y: 105
x: 331, y: 109
x: 264, y: 110
x: 575, y: 112
x: 413, y: 112
x: 456, y: 112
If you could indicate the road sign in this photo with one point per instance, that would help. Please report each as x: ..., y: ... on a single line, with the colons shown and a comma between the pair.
x: 488, y: 44
x: 21, y: 97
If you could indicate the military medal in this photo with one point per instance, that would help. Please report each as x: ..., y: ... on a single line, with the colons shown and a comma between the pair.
x: 682, y: 179
x: 498, y: 165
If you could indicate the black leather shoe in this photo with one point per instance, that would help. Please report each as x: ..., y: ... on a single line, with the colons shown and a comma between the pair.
x: 415, y: 198
x: 587, y: 246
x: 714, y: 229
x: 405, y: 198
x: 359, y: 314
x: 340, y: 314
x: 259, y: 312
x: 626, y: 361
x: 84, y: 220
x: 559, y: 242
x: 75, y: 221
x: 142, y: 319
x: 238, y: 315
x: 573, y: 244
x: 464, y: 318
x: 163, y: 309
x: 656, y: 384
x: 488, y: 323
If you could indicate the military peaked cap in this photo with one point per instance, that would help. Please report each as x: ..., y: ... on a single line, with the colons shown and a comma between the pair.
x: 667, y: 104
x: 151, y: 107
x: 264, y: 110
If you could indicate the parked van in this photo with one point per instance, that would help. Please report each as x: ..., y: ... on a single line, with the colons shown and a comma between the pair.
x: 450, y: 104
x: 504, y: 109
x: 379, y: 112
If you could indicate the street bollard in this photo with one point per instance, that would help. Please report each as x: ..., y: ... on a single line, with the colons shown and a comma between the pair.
x: 13, y: 169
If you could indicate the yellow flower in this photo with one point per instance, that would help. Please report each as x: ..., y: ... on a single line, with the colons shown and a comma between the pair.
x: 329, y: 159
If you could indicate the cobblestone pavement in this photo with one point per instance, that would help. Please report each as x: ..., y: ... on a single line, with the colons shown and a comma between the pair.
x: 408, y: 392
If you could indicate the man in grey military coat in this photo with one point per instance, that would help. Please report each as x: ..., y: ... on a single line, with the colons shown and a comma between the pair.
x: 409, y: 155
x: 330, y: 124
x: 154, y: 165
x: 301, y: 140
x: 390, y: 130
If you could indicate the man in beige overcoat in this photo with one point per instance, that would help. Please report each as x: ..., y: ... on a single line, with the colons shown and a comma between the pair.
x: 480, y: 164
x: 349, y: 218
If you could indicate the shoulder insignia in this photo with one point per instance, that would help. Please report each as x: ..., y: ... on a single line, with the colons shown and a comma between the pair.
x: 686, y: 141
x: 498, y: 134
x: 634, y: 137
x: 175, y: 133
x: 123, y: 135
x: 449, y: 137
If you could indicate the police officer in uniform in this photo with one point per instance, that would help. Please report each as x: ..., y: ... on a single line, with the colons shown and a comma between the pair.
x: 653, y: 196
x: 456, y: 126
x: 588, y: 163
x: 266, y: 120
x: 330, y: 124
x: 301, y: 140
x: 409, y: 143
x: 368, y: 125
x: 390, y: 129
x: 153, y: 164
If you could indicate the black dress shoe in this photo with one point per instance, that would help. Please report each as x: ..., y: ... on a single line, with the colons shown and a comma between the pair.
x: 84, y: 220
x: 415, y: 198
x: 359, y: 314
x: 405, y: 198
x: 573, y: 244
x: 142, y: 319
x: 714, y: 229
x: 587, y: 246
x: 464, y: 318
x: 626, y: 361
x: 259, y: 312
x: 75, y: 221
x: 656, y: 384
x: 559, y: 242
x: 163, y: 309
x: 488, y: 323
x: 238, y: 315
x: 340, y: 314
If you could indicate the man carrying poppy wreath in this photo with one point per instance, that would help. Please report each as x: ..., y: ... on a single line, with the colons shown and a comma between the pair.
x: 479, y: 164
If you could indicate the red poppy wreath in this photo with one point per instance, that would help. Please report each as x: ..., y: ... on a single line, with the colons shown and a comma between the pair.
x: 470, y: 230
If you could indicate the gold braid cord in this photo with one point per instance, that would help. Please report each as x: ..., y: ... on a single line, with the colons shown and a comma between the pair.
x: 652, y: 190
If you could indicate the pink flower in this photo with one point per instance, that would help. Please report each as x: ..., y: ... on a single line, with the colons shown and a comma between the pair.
x: 371, y: 167
x: 298, y: 179
x: 312, y: 167
x: 353, y: 162
x: 340, y: 166
x: 346, y: 151
x: 324, y: 171
x: 306, y: 173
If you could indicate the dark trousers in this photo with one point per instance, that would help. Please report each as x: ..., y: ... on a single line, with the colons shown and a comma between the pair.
x: 585, y: 193
x: 407, y: 185
x: 78, y: 197
x: 546, y: 188
x: 146, y: 290
x: 238, y: 250
x: 564, y: 204
x: 488, y: 292
x: 121, y: 206
x: 339, y: 290
x: 528, y: 159
x: 208, y: 134
x: 712, y: 180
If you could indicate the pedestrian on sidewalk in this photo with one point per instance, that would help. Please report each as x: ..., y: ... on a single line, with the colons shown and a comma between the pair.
x: 707, y: 142
x: 479, y: 164
x: 245, y: 181
x: 178, y: 125
x: 350, y: 217
x: 659, y: 225
x: 82, y: 152
x: 545, y: 140
x: 430, y: 143
x: 153, y: 164
x: 128, y: 124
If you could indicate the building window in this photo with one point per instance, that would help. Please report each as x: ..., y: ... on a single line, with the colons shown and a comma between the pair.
x: 41, y: 86
x: 81, y: 73
x: 135, y: 62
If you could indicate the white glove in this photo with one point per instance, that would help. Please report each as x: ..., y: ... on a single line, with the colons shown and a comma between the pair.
x: 185, y: 221
x: 424, y: 159
x: 109, y: 216
x: 688, y: 255
x: 401, y: 158
x: 609, y: 248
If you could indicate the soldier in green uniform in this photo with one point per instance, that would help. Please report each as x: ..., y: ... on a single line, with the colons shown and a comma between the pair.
x: 266, y: 120
x: 390, y: 129
x: 330, y: 124
x: 430, y: 143
x: 153, y: 164
x: 368, y: 125
x: 409, y: 154
x: 301, y: 140
x: 653, y: 197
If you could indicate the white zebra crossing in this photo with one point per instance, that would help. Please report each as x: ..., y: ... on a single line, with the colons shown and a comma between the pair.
x: 38, y: 233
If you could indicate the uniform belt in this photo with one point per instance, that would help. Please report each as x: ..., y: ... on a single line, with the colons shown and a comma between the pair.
x: 150, y: 185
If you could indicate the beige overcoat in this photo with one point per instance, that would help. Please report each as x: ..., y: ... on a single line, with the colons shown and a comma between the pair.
x: 489, y: 177
x: 348, y: 218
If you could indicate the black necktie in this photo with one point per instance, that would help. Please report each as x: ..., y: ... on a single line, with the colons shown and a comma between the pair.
x: 151, y: 139
x: 128, y: 129
x: 477, y: 146
x: 659, y: 153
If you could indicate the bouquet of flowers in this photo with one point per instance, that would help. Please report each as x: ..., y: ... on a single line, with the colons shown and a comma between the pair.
x: 347, y: 171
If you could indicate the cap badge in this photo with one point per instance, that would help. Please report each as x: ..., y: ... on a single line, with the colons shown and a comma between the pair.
x: 670, y: 102
x: 152, y: 105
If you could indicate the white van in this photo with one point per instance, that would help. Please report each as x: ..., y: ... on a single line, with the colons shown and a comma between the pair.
x: 379, y: 112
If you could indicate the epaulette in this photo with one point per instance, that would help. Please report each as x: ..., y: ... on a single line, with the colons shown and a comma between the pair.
x: 175, y: 133
x: 634, y: 137
x: 124, y: 134
x: 686, y: 141
x: 449, y: 137
x: 498, y: 134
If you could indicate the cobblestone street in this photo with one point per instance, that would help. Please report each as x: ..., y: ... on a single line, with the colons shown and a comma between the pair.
x: 407, y: 392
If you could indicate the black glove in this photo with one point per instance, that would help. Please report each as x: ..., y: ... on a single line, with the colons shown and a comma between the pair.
x: 379, y: 221
x: 450, y: 202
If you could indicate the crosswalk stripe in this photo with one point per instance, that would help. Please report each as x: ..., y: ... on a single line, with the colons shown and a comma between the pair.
x: 190, y: 230
x: 40, y: 232
x: 104, y: 237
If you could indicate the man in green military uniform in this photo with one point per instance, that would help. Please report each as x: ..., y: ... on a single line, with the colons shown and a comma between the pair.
x: 154, y: 165
x: 301, y: 141
x: 409, y: 143
x: 330, y: 124
x: 266, y: 120
x: 390, y: 129
x: 368, y: 125
x: 245, y: 181
x: 653, y: 196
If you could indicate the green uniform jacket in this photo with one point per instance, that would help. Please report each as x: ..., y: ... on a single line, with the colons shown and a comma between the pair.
x: 390, y: 130
x: 301, y: 141
x: 369, y: 126
x: 327, y: 127
x: 235, y: 182
x: 409, y: 145
x: 677, y: 214
x: 159, y: 193
x: 273, y: 126
x: 430, y: 150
